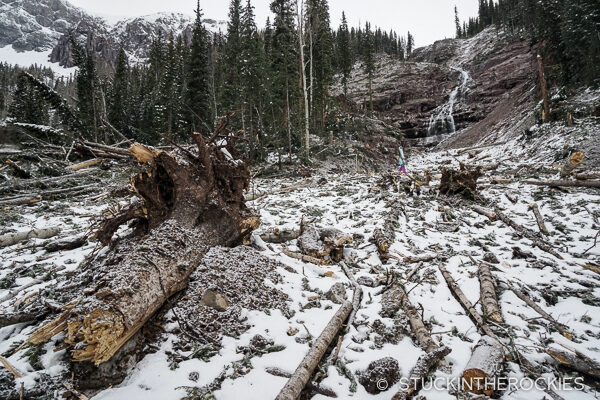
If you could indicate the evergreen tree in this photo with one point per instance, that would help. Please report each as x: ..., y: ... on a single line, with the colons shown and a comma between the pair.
x: 118, y: 110
x: 284, y: 66
x: 345, y: 53
x: 369, y: 60
x: 87, y: 82
x: 457, y: 22
x: 410, y: 44
x: 198, y: 89
x: 233, y: 61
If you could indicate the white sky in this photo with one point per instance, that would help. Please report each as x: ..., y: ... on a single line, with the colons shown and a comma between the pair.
x: 427, y: 20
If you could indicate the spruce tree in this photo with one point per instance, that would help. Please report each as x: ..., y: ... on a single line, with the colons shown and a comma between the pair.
x: 118, y: 110
x: 87, y: 81
x: 369, y: 60
x: 410, y: 44
x: 457, y: 23
x: 198, y: 89
x: 345, y: 53
x: 233, y: 61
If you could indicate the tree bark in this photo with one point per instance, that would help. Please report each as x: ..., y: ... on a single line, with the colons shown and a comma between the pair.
x: 538, y: 217
x: 42, y: 233
x: 576, y: 183
x: 544, y: 88
x: 576, y: 361
x: 419, y: 373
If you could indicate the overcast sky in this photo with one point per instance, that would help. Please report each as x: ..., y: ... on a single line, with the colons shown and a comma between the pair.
x: 427, y: 20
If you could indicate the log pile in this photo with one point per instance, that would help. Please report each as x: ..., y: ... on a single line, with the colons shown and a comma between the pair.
x: 190, y: 201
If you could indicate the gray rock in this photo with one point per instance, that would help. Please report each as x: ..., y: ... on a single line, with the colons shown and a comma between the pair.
x: 337, y: 293
x: 381, y: 375
x: 366, y: 281
x: 491, y: 258
x: 215, y: 300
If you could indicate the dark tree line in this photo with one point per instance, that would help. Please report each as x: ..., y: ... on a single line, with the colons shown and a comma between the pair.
x: 569, y: 31
x: 187, y: 84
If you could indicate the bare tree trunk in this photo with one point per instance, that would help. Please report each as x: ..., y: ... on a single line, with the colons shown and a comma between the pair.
x: 544, y: 87
x: 483, y: 367
x: 489, y: 302
x: 299, y: 12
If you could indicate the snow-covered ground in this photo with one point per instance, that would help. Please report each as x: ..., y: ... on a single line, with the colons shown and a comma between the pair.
x: 357, y: 204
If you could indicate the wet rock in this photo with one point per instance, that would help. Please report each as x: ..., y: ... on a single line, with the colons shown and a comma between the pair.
x: 491, y: 258
x: 366, y: 281
x: 215, y: 300
x: 380, y: 375
x: 337, y: 293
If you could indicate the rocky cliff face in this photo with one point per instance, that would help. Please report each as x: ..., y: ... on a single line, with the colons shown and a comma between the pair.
x: 496, y: 87
x: 42, y: 25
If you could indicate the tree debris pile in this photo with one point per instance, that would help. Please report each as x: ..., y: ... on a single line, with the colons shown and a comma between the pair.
x: 463, y: 181
x: 227, y: 281
x: 325, y: 244
x: 190, y: 202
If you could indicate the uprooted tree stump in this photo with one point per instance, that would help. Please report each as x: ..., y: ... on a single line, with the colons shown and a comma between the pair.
x: 463, y: 181
x: 190, y: 201
x: 326, y: 244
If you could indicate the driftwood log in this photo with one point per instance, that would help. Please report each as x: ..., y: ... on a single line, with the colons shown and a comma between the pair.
x: 191, y: 200
x: 483, y: 367
x: 294, y: 386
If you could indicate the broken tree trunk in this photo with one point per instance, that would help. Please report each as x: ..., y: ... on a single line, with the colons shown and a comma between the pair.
x: 576, y: 183
x: 483, y: 367
x: 465, y: 303
x: 541, y: 244
x: 190, y: 201
x: 560, y: 327
x: 485, y: 212
x: 21, y: 173
x: 279, y: 236
x: 574, y: 161
x: 383, y: 241
x: 294, y: 386
x: 417, y: 326
x: 576, y: 361
x: 489, y: 301
x: 42, y: 233
x: 419, y: 373
x: 538, y: 217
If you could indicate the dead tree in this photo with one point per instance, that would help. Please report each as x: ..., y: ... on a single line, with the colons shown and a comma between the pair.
x: 544, y: 88
x: 418, y: 374
x: 190, y: 200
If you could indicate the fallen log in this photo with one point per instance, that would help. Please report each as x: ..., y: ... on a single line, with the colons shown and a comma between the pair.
x: 294, y: 386
x: 490, y: 214
x: 383, y: 241
x: 20, y: 201
x: 287, y: 189
x: 10, y: 239
x: 21, y: 173
x: 44, y: 181
x: 420, y: 372
x: 279, y: 236
x: 418, y: 259
x: 190, y: 202
x: 572, y: 164
x: 15, y: 373
x: 325, y: 244
x: 465, y: 303
x: 311, y: 386
x: 417, y: 326
x: 484, y: 366
x: 541, y: 244
x: 303, y: 257
x: 577, y: 362
x: 564, y: 183
x: 489, y: 301
x: 85, y: 164
x: 559, y: 327
x: 538, y: 217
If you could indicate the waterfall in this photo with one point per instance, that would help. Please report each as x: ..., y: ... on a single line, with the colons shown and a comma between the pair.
x: 442, y: 120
